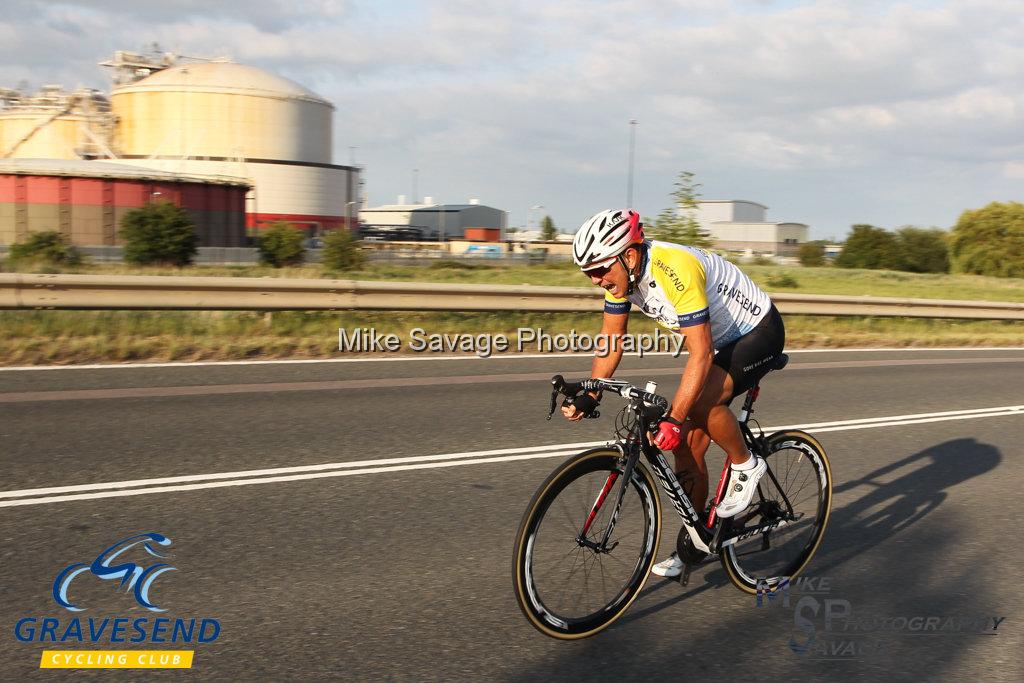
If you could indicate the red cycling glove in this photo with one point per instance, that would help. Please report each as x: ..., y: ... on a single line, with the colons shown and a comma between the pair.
x: 668, y: 435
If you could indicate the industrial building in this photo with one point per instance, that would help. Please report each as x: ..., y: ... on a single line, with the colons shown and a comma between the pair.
x: 86, y: 200
x: 430, y: 221
x: 189, y: 122
x: 741, y: 225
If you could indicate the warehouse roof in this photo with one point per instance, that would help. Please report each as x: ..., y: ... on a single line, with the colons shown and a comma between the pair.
x: 427, y: 207
x: 225, y: 77
x: 81, y: 168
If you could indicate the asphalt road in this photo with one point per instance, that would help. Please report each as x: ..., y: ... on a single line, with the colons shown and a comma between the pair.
x: 399, y: 568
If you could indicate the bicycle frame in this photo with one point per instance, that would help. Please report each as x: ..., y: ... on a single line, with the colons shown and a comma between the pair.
x: 707, y: 537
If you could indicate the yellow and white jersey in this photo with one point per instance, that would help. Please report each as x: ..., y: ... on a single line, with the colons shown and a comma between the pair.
x: 682, y: 286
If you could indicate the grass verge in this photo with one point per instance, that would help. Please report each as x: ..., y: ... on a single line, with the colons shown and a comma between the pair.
x: 56, y: 337
x: 796, y: 279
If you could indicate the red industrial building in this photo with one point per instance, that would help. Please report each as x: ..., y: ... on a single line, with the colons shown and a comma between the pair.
x: 86, y: 200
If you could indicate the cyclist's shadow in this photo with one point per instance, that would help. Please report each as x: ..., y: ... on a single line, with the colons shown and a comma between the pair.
x: 883, y: 509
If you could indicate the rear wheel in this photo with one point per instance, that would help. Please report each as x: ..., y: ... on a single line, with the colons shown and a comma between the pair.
x: 796, y: 492
x: 566, y: 587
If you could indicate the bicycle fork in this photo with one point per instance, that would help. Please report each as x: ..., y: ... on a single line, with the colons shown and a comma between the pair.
x: 627, y: 475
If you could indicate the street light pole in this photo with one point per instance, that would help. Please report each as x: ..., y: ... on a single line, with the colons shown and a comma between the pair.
x: 632, y: 155
x: 348, y: 216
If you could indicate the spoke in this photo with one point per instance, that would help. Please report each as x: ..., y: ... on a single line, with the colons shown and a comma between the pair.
x: 586, y: 583
x: 814, y: 496
x: 789, y: 468
x: 555, y: 563
x: 617, y: 558
x: 564, y: 505
x: 568, y: 577
x: 803, y: 484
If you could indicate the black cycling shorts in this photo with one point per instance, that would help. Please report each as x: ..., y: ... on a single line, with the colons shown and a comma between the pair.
x: 748, y: 359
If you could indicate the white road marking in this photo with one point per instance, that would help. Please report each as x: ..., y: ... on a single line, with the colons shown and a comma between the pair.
x: 285, y: 474
x: 560, y: 448
x: 398, y: 359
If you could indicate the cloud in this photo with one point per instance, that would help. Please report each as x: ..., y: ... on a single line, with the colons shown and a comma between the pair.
x: 519, y: 100
x: 1014, y: 170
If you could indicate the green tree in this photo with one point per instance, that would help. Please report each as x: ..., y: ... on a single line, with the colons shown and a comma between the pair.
x: 679, y: 223
x: 341, y: 251
x: 868, y: 247
x: 159, y: 233
x: 811, y: 254
x: 281, y: 245
x: 990, y: 240
x: 922, y: 250
x: 48, y: 247
x: 548, y: 231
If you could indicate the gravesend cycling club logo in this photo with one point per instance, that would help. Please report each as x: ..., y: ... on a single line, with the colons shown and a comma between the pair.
x: 133, y: 566
x: 132, y: 576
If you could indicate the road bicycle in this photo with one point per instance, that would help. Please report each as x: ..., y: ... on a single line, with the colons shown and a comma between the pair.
x: 590, y: 534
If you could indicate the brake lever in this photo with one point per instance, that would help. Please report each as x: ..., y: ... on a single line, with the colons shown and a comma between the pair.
x: 554, y: 400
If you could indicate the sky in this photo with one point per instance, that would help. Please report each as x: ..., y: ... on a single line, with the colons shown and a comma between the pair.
x: 830, y: 113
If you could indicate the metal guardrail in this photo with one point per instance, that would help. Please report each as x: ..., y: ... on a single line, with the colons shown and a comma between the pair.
x: 110, y: 292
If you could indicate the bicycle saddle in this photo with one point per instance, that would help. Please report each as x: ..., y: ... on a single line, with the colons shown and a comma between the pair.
x: 780, y: 362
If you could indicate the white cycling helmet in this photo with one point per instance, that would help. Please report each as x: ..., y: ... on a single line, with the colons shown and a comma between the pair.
x: 604, y: 236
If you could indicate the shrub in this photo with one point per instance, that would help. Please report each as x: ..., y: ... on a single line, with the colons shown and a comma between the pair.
x: 811, y: 254
x: 48, y: 247
x: 782, y: 281
x: 990, y: 241
x: 159, y: 233
x: 920, y: 250
x: 342, y: 252
x: 451, y: 264
x: 868, y: 247
x: 281, y: 245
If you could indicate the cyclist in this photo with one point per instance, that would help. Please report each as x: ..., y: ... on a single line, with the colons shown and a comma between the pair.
x: 718, y: 308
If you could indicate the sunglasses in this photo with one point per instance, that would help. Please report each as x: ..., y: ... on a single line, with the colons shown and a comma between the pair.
x: 600, y: 271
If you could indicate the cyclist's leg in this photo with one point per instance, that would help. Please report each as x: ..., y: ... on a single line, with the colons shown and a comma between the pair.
x: 712, y: 415
x: 690, y: 468
x: 737, y: 368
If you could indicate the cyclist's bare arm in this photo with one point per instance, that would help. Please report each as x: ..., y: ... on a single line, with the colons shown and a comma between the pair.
x: 702, y: 353
x: 612, y: 327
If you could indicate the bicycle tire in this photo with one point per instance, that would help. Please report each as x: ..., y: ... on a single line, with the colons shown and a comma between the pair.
x: 590, y: 468
x: 745, y: 573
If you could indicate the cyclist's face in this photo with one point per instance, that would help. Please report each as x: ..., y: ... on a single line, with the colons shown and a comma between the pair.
x: 611, y: 277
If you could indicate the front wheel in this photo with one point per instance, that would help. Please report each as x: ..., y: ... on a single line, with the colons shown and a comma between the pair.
x: 567, y: 585
x: 796, y: 494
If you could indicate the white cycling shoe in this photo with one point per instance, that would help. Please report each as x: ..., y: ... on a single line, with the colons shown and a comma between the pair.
x: 670, y: 567
x: 742, y: 484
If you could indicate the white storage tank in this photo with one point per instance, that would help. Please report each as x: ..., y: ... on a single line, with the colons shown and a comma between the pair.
x: 222, y: 109
x: 225, y: 119
x: 53, y: 124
